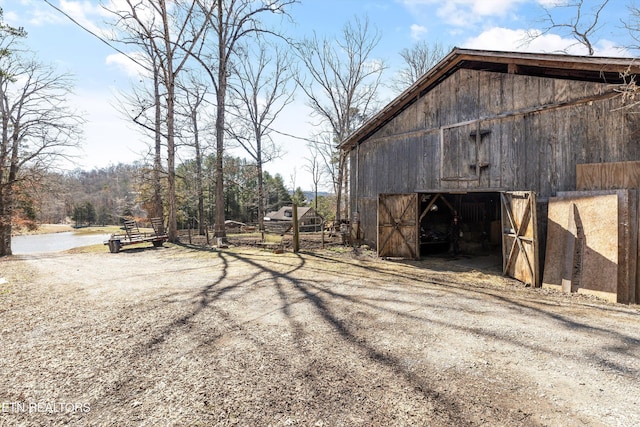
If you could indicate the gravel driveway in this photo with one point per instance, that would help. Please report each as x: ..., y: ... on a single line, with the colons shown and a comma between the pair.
x: 177, y: 336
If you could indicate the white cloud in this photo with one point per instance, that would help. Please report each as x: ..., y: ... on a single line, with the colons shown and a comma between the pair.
x: 552, y: 3
x: 126, y: 64
x: 609, y: 48
x: 463, y: 12
x: 417, y: 31
x: 83, y: 13
x: 506, y: 39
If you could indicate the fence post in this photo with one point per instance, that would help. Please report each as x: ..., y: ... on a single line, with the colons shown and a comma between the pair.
x: 296, y: 233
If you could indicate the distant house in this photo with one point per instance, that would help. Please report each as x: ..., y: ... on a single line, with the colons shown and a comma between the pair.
x: 308, y: 219
x: 234, y: 226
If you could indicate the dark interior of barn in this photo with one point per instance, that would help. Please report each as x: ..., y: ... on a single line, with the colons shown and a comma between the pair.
x: 478, y: 232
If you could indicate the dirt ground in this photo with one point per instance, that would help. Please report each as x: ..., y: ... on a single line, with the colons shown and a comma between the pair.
x: 241, y: 336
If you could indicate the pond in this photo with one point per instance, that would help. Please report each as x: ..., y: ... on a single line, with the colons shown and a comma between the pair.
x: 54, y: 242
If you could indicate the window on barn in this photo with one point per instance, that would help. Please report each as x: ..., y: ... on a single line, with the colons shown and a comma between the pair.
x: 464, y: 148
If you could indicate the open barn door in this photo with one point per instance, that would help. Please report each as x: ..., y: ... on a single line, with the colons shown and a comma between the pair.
x: 398, y: 225
x: 519, y: 236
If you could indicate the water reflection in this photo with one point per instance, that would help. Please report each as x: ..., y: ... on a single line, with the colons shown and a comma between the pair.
x: 41, y: 243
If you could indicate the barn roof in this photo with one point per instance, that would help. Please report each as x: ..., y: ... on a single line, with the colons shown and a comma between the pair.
x: 561, y: 66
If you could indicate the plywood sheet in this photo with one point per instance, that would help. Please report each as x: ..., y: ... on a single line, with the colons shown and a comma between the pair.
x: 607, y: 176
x: 588, y: 177
x: 595, y: 235
x: 632, y: 174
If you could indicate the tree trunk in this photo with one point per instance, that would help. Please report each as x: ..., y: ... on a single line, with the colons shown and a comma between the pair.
x: 261, y: 196
x: 171, y: 149
x: 5, y: 220
x: 158, y: 211
x: 199, y: 191
x: 6, y: 197
x: 219, y: 230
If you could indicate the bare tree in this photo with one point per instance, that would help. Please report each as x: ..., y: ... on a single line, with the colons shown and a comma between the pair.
x: 632, y: 24
x: 582, y: 25
x: 418, y: 59
x: 262, y: 90
x: 314, y: 167
x: 231, y: 22
x: 144, y: 106
x: 171, y: 30
x: 343, y: 87
x: 37, y: 126
x: 194, y: 94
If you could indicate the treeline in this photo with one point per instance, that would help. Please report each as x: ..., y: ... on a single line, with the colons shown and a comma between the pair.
x: 235, y: 71
x: 105, y: 196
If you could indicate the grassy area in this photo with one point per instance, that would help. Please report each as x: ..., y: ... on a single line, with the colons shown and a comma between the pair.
x: 61, y: 228
x: 108, y: 229
x: 91, y: 249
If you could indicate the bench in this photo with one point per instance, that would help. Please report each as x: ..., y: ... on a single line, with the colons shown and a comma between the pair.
x: 132, y: 235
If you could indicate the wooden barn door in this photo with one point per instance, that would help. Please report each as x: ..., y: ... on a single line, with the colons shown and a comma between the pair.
x: 398, y: 225
x: 519, y: 236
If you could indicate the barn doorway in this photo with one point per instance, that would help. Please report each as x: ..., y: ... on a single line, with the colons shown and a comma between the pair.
x: 478, y: 232
x: 493, y: 225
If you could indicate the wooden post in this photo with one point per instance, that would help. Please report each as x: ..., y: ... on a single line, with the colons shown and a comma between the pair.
x: 296, y: 233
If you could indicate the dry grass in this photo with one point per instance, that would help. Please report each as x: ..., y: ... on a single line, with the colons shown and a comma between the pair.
x: 62, y: 228
x: 237, y: 337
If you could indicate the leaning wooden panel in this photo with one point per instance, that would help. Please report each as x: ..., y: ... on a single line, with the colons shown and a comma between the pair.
x: 588, y: 176
x: 601, y: 239
x: 632, y: 174
x: 398, y: 226
x: 607, y: 176
x: 613, y: 176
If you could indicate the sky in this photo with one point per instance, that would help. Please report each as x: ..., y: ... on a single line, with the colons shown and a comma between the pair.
x: 102, y: 74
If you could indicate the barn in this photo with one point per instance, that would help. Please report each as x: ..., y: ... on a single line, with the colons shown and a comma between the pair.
x: 534, y: 153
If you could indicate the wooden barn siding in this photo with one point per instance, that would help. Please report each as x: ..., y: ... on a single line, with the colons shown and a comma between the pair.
x: 535, y: 151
